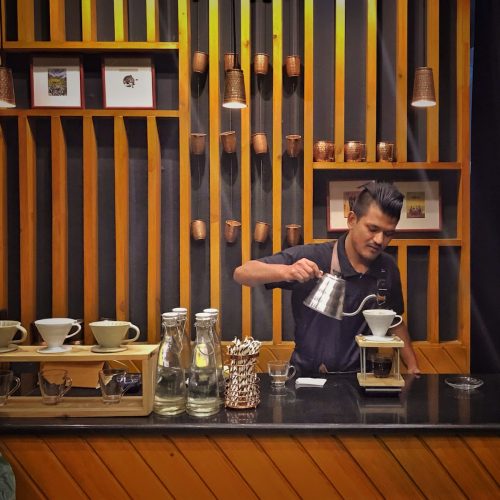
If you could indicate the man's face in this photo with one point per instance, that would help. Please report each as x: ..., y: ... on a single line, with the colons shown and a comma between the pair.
x: 371, y: 233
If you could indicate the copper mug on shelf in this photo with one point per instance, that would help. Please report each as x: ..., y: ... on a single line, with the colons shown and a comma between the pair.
x: 200, y: 61
x: 293, y: 145
x: 229, y: 60
x: 324, y: 151
x: 229, y: 142
x: 292, y: 65
x: 385, y: 151
x: 259, y: 142
x: 261, y: 63
x: 198, y: 143
x: 354, y: 151
x: 232, y: 230
x: 198, y: 229
x: 293, y: 234
x: 261, y: 232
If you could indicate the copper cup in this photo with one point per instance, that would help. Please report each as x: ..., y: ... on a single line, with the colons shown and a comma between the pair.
x: 293, y: 234
x: 292, y: 65
x: 354, y: 151
x: 200, y: 61
x: 261, y: 63
x: 232, y: 230
x: 228, y: 140
x: 198, y: 229
x: 261, y: 232
x: 324, y: 151
x: 385, y: 151
x: 259, y: 142
x: 229, y: 60
x: 293, y: 145
x: 198, y: 143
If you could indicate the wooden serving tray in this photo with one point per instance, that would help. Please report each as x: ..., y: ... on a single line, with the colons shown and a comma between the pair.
x: 32, y: 406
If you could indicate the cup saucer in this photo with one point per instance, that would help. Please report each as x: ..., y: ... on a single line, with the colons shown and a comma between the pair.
x: 54, y: 350
x: 103, y: 350
x: 9, y: 348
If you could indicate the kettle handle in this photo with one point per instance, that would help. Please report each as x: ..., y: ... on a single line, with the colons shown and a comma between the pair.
x: 357, y: 311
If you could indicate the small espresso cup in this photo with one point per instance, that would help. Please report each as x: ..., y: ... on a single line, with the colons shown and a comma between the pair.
x: 55, y: 331
x: 280, y: 372
x: 54, y: 384
x: 113, y: 384
x: 112, y: 334
x: 6, y: 389
x: 8, y: 330
x: 379, y: 320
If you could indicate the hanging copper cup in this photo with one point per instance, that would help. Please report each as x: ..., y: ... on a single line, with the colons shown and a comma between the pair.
x: 385, y: 151
x: 259, y: 142
x: 261, y: 232
x: 229, y: 60
x: 324, y: 151
x: 293, y: 234
x: 232, y: 230
x: 261, y: 63
x: 293, y: 145
x: 200, y: 61
x: 354, y: 151
x: 198, y: 229
x: 292, y: 65
x: 198, y: 143
x: 228, y: 140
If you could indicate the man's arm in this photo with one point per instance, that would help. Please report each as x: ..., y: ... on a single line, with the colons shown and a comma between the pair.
x: 407, y: 351
x: 256, y: 272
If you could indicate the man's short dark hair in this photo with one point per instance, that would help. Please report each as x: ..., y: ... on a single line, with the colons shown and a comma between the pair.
x: 385, y: 195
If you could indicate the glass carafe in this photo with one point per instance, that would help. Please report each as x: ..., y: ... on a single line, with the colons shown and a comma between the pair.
x: 203, y: 395
x: 184, y: 338
x: 214, y: 313
x: 170, y: 392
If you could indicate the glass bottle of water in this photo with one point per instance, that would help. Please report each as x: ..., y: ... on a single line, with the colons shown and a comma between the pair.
x: 170, y: 392
x: 184, y: 339
x: 214, y: 313
x: 203, y: 395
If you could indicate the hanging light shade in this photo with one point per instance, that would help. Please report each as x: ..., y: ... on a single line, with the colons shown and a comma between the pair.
x: 424, y: 95
x: 234, y: 90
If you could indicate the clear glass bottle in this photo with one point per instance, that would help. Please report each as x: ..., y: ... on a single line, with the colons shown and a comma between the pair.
x: 170, y: 392
x: 214, y: 314
x: 184, y: 339
x: 203, y: 395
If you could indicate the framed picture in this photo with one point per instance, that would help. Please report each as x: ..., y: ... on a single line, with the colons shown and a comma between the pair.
x: 128, y: 82
x: 421, y: 207
x: 56, y: 82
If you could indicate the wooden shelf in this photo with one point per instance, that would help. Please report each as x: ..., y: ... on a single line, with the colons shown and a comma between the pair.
x: 89, y: 46
x: 159, y: 113
x: 330, y: 165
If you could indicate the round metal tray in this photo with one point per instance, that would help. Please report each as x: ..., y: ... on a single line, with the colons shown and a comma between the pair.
x: 464, y: 383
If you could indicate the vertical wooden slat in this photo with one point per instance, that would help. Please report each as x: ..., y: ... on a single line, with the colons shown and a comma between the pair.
x: 121, y: 20
x: 25, y: 20
x: 154, y: 230
x: 214, y: 113
x: 433, y: 62
x: 89, y: 20
x: 403, y: 272
x: 57, y: 20
x: 59, y: 219
x: 152, y: 21
x: 121, y: 218
x: 339, y: 79
x: 246, y: 202
x: 433, y: 294
x: 184, y: 173
x: 308, y: 118
x: 27, y: 221
x: 3, y: 223
x: 371, y: 81
x: 277, y: 152
x: 90, y: 229
x: 401, y: 79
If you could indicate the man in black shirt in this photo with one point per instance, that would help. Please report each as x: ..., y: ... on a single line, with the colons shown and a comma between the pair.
x: 323, y: 344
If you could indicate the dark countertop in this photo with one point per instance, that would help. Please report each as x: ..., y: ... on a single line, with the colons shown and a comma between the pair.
x: 426, y: 404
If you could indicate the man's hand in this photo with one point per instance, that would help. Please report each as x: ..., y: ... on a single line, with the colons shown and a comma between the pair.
x: 303, y: 270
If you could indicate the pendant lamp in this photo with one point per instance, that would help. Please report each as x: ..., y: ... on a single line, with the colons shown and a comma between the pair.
x: 7, y: 98
x: 234, y: 85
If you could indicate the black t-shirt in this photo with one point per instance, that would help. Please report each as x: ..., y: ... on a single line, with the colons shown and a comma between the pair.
x: 320, y: 339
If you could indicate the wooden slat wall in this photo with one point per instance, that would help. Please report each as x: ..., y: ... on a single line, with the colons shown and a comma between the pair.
x: 344, y: 466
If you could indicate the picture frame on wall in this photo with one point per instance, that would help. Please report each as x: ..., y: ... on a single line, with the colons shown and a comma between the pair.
x: 128, y: 83
x: 56, y: 82
x: 421, y: 207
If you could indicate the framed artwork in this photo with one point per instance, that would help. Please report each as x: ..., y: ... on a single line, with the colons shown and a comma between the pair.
x: 56, y: 82
x: 128, y: 82
x: 421, y: 207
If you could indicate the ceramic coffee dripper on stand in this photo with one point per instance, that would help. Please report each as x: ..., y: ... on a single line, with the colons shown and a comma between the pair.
x: 54, y: 332
x: 111, y: 335
x: 8, y: 330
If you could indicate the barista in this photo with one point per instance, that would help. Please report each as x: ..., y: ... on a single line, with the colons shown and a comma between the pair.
x: 324, y: 344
